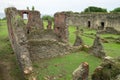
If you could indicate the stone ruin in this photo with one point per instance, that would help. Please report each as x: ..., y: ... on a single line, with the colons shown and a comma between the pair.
x: 109, y: 69
x: 97, y: 49
x: 32, y: 42
x: 82, y: 72
x: 106, y: 22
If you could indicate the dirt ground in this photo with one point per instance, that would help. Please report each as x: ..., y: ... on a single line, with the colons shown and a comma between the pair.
x: 9, y: 68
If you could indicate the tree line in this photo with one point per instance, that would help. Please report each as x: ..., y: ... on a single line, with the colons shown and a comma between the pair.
x: 99, y: 9
x: 86, y: 10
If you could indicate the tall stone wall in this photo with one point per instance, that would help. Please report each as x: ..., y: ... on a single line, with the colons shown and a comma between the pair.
x: 94, y: 20
x: 18, y: 40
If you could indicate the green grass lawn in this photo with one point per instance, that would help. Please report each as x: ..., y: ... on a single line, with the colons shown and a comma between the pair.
x: 62, y: 67
x: 5, y: 47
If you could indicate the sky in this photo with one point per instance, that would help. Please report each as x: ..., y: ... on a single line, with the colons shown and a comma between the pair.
x: 52, y: 6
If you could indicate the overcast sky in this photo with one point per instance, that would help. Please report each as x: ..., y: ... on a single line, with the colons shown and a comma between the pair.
x: 52, y: 6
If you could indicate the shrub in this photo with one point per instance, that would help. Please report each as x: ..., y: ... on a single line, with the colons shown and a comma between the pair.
x: 47, y: 17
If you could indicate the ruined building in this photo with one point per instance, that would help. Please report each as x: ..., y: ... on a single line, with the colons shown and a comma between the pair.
x: 32, y: 42
x: 102, y: 21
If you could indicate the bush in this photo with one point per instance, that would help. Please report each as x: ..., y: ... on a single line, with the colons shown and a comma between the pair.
x: 47, y: 17
x: 94, y: 9
x: 116, y: 10
x: 4, y: 18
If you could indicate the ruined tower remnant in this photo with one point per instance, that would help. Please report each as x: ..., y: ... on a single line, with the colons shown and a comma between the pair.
x: 34, y: 20
x: 60, y: 26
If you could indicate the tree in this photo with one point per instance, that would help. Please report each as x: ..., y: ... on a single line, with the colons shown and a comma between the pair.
x: 94, y: 9
x: 116, y: 10
x: 47, y: 17
x: 4, y: 18
x: 28, y: 8
x: 33, y: 8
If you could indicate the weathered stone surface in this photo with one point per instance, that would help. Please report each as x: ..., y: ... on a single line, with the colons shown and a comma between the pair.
x: 94, y: 20
x: 108, y: 70
x: 34, y: 21
x: 78, y: 41
x: 60, y: 26
x: 112, y: 30
x: 81, y: 73
x: 47, y: 48
x: 117, y: 77
x: 31, y: 41
x: 18, y: 40
x: 49, y: 26
x: 97, y: 48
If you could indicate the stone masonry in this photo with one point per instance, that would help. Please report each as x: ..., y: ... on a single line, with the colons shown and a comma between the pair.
x: 32, y: 42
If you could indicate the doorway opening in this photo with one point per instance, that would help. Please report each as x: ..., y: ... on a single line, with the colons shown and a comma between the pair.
x: 102, y: 25
x: 25, y: 17
x: 89, y: 24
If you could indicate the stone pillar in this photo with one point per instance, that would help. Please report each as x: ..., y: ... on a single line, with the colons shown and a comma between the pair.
x: 60, y: 27
x: 81, y: 73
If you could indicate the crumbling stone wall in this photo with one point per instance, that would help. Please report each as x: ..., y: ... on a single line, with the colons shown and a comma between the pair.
x: 108, y: 70
x: 34, y: 21
x: 97, y: 49
x: 18, y: 40
x: 94, y: 20
x: 31, y: 41
x: 60, y: 26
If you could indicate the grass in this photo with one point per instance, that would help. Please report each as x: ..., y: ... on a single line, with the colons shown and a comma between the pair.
x: 62, y: 67
x: 72, y: 30
x: 5, y: 47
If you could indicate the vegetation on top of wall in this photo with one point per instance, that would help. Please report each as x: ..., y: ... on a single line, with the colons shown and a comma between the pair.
x: 94, y: 9
x: 116, y: 10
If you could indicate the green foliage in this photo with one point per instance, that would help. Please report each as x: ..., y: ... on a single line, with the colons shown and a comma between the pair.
x: 28, y: 8
x: 47, y: 17
x: 116, y: 10
x: 61, y: 68
x: 33, y: 8
x: 4, y: 18
x: 72, y: 37
x: 5, y: 47
x: 94, y: 9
